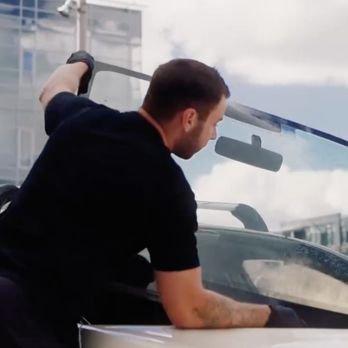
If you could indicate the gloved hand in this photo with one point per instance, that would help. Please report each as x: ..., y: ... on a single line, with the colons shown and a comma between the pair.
x: 284, y: 317
x: 83, y: 56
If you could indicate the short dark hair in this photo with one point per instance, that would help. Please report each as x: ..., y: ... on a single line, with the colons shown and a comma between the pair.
x: 184, y: 83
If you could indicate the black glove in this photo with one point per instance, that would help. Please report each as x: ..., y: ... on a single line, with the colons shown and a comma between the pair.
x: 83, y: 56
x: 284, y: 317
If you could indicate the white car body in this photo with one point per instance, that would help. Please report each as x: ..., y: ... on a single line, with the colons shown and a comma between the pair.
x: 168, y: 336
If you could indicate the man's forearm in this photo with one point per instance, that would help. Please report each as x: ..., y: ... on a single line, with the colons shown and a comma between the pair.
x: 217, y: 311
x: 65, y: 78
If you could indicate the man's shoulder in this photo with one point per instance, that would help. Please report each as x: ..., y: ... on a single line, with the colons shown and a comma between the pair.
x: 66, y: 107
x: 74, y: 104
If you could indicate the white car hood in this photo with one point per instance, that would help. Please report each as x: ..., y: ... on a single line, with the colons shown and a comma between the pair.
x: 168, y: 336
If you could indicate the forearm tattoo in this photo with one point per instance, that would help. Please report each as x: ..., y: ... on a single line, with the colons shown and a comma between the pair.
x: 219, y: 312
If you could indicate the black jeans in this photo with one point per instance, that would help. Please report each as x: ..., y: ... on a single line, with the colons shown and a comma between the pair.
x: 23, y: 326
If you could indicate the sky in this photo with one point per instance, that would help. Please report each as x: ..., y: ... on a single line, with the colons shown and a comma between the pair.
x: 287, y: 57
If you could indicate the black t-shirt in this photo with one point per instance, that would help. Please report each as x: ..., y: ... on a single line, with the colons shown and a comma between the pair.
x: 104, y: 188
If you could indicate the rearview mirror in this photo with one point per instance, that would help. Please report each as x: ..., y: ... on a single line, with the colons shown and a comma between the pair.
x: 252, y: 154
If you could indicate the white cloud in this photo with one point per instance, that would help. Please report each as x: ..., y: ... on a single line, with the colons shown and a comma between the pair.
x: 279, y: 197
x: 263, y: 41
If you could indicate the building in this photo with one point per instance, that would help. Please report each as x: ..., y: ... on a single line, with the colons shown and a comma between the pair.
x: 34, y: 40
x: 329, y: 230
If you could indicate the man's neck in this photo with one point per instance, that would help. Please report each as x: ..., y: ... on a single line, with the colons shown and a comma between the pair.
x: 155, y: 124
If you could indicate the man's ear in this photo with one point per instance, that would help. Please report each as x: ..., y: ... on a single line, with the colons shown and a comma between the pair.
x: 189, y: 119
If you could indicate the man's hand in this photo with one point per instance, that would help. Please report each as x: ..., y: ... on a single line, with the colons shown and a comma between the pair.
x: 72, y: 77
x: 284, y: 317
x: 190, y: 306
x: 83, y: 56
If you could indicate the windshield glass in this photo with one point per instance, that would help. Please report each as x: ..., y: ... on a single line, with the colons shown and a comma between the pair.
x: 291, y: 180
x: 306, y: 198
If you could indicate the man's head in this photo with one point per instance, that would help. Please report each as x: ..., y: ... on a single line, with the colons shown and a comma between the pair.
x: 187, y: 98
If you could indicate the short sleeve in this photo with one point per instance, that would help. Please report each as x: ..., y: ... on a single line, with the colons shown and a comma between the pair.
x: 172, y: 241
x: 63, y: 106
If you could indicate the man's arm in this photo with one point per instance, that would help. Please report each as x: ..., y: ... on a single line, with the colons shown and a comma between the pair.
x: 65, y: 78
x: 189, y: 305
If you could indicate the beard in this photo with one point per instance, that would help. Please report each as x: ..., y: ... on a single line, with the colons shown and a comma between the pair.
x: 190, y: 143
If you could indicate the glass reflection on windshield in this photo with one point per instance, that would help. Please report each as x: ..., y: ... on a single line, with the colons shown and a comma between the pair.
x: 298, y: 283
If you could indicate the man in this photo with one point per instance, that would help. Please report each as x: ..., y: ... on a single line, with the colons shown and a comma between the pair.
x: 104, y: 188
